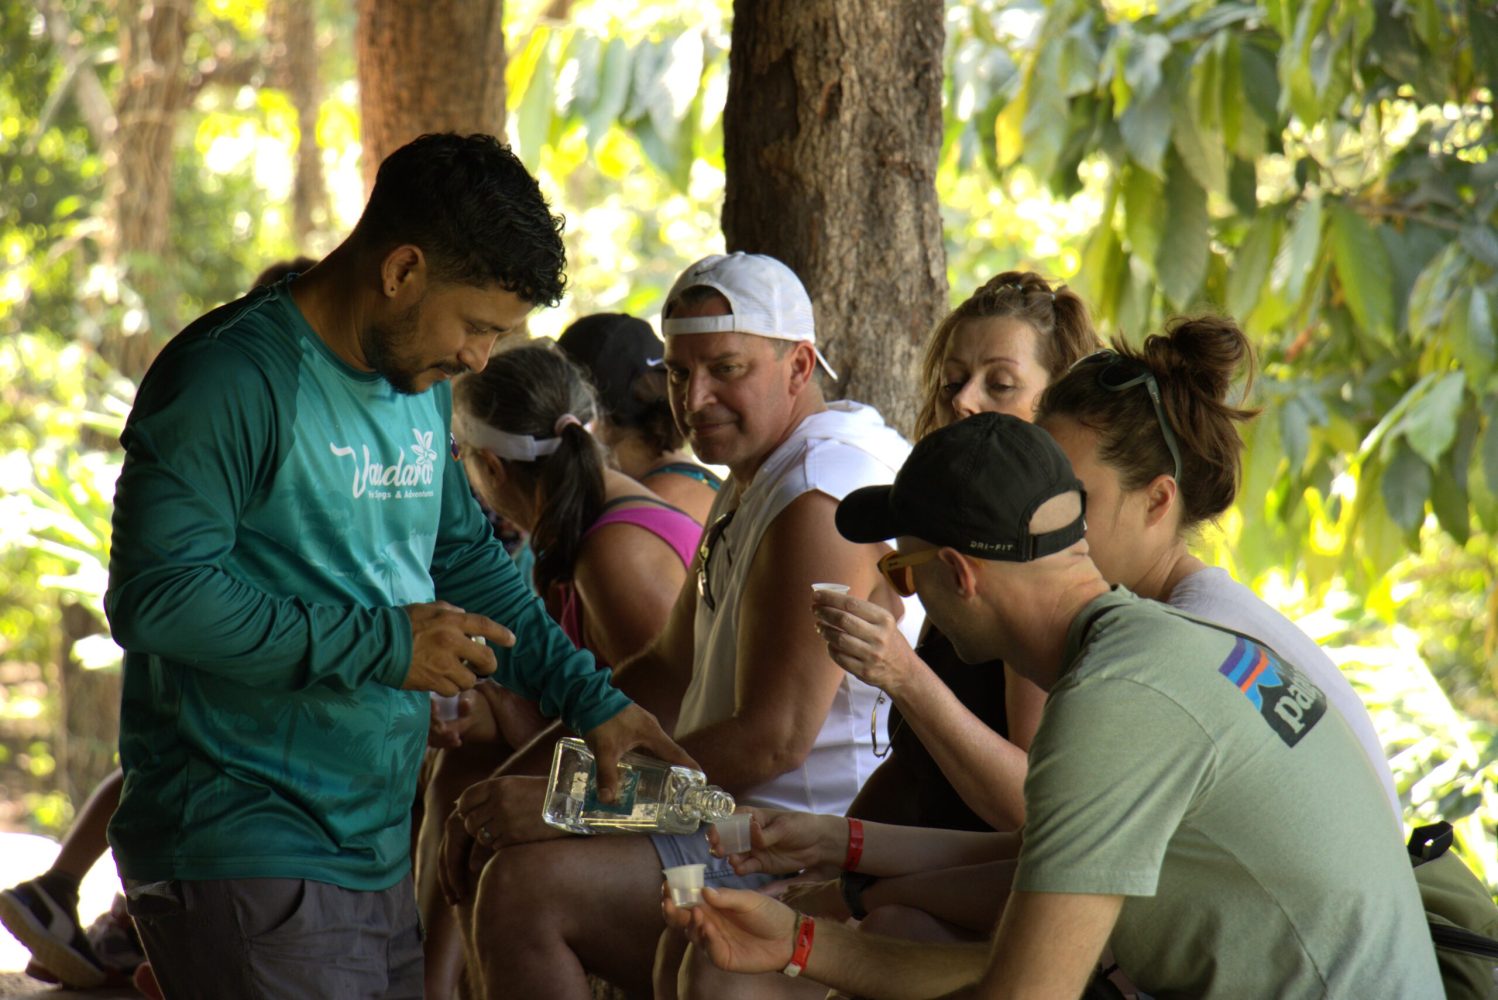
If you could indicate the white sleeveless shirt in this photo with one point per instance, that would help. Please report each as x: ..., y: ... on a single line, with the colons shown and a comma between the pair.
x: 833, y: 452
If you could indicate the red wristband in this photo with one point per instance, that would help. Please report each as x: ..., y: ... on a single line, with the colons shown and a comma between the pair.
x: 855, y: 844
x: 806, y: 929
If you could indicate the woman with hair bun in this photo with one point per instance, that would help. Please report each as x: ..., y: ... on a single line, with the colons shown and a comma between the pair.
x: 1154, y: 439
x: 621, y: 355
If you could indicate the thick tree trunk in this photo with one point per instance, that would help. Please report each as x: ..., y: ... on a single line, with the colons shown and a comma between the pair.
x: 435, y: 66
x: 831, y: 136
x: 153, y: 90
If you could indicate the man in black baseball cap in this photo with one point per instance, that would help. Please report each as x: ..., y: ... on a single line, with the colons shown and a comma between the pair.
x: 616, y: 349
x: 1170, y: 761
x: 992, y: 488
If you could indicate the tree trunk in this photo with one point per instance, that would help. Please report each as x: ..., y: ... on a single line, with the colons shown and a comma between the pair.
x: 436, y: 66
x: 831, y: 136
x: 153, y: 90
x: 294, y: 27
x: 89, y: 701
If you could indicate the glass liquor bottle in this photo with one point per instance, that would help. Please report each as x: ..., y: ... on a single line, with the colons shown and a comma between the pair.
x: 654, y: 797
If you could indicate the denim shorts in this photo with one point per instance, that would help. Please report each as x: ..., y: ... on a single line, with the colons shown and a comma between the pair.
x: 692, y: 849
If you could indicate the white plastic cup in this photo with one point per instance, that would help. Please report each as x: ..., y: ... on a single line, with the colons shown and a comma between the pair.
x: 733, y: 833
x: 447, y: 706
x: 685, y: 882
x: 835, y: 588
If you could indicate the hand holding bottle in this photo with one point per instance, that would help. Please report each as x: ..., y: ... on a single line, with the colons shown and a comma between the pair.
x: 633, y: 728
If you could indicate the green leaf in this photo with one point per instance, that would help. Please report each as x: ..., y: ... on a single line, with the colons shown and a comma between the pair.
x: 1200, y: 149
x: 1490, y: 444
x: 1448, y: 498
x: 1142, y: 66
x: 1295, y: 432
x: 1045, y: 125
x: 1243, y: 186
x: 1251, y: 265
x: 1482, y: 243
x: 1430, y: 423
x: 1145, y: 128
x: 1296, y: 258
x: 1432, y: 292
x: 1144, y: 212
x: 1366, y: 273
x: 613, y: 91
x: 1405, y: 486
x: 1185, y: 246
x: 533, y: 120
x: 1469, y: 330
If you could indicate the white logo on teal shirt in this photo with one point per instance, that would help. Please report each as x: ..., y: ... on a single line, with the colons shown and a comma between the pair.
x: 373, y: 477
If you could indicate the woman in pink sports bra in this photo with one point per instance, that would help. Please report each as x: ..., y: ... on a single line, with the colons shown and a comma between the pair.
x: 611, y: 556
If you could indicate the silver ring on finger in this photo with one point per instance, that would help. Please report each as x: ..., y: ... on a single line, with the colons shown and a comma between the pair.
x: 484, y: 835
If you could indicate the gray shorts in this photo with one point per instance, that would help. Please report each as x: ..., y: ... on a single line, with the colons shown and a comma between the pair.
x: 692, y: 849
x: 279, y: 938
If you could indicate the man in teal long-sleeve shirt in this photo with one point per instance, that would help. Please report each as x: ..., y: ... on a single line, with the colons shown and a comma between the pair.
x: 297, y: 561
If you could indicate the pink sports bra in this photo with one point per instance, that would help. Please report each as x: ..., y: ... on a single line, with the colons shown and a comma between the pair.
x: 672, y: 526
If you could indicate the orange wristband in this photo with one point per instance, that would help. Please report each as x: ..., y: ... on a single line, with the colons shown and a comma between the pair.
x: 806, y: 929
x: 855, y: 844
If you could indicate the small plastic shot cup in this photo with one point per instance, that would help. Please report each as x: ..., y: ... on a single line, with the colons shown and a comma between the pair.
x: 836, y: 588
x: 733, y: 833
x: 685, y: 883
x: 447, y: 706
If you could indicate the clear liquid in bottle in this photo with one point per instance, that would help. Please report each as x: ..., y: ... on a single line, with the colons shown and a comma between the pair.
x: 654, y: 797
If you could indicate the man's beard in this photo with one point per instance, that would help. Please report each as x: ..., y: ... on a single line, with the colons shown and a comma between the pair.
x: 391, y: 351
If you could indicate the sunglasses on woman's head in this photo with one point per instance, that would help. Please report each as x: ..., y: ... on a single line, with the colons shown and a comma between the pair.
x: 1117, y: 373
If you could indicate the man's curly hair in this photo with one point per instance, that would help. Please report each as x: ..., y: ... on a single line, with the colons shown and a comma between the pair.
x: 475, y: 212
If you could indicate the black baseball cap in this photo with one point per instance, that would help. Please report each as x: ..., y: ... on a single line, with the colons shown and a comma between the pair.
x: 616, y: 349
x: 972, y: 486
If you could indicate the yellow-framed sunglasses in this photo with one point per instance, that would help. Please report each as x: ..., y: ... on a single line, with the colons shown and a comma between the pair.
x: 899, y: 568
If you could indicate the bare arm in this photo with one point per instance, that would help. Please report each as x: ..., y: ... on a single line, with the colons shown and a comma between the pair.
x: 749, y: 932
x: 655, y: 679
x: 627, y: 582
x: 786, y: 841
x: 987, y: 770
x: 785, y: 681
x: 972, y: 897
x: 1048, y: 944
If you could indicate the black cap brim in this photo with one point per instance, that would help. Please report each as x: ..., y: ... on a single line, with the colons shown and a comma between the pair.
x: 865, y: 515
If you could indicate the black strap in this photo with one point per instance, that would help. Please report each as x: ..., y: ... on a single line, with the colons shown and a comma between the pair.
x: 1459, y: 939
x: 1430, y: 842
x: 652, y: 501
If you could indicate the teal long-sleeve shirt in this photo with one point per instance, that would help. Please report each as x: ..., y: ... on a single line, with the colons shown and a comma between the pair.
x: 275, y: 512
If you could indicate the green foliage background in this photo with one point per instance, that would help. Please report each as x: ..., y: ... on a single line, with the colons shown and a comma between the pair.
x: 1323, y: 171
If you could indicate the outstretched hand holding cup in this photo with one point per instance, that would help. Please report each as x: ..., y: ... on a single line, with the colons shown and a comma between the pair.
x: 741, y: 931
x: 783, y: 842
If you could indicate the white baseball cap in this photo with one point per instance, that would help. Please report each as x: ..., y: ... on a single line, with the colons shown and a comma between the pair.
x: 765, y: 297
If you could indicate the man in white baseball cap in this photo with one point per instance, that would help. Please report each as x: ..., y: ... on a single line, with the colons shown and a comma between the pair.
x: 764, y: 298
x: 739, y: 667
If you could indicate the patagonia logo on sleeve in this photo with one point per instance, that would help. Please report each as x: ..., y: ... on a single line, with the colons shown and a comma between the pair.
x: 1286, y: 699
